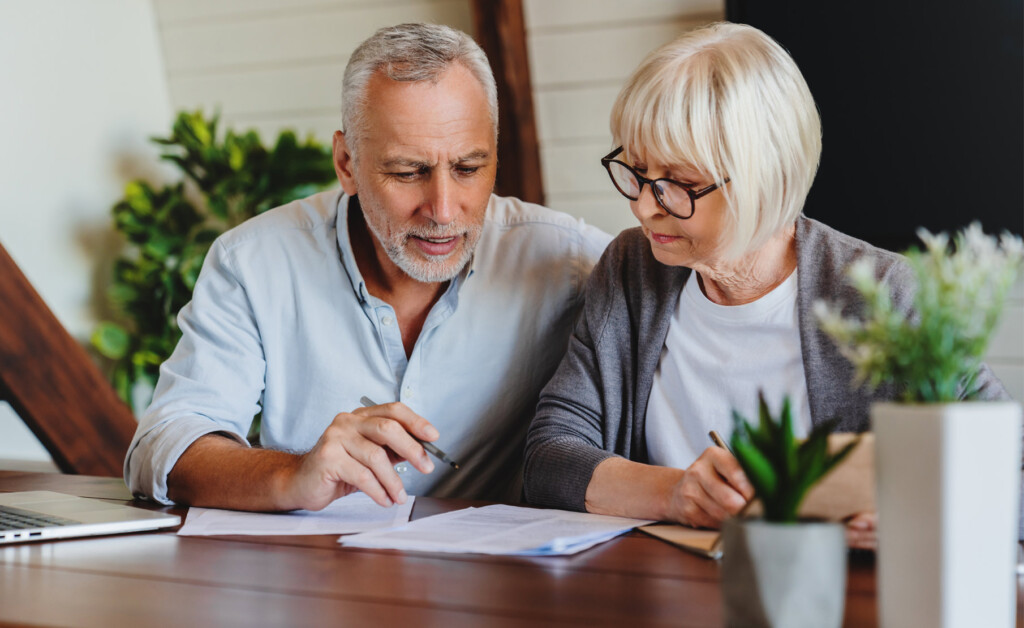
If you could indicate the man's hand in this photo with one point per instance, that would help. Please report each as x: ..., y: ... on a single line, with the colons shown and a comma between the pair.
x: 711, y: 490
x: 358, y: 451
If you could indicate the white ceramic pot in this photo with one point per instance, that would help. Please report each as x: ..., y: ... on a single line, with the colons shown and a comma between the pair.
x: 783, y: 575
x: 948, y: 481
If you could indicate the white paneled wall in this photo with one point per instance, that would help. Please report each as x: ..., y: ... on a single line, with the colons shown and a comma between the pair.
x: 581, y: 52
x: 1006, y: 352
x: 275, y: 64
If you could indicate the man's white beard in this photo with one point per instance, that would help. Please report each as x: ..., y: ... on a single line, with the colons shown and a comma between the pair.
x: 412, y: 260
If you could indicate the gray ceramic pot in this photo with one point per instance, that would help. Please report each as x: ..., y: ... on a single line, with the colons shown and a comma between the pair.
x: 790, y: 575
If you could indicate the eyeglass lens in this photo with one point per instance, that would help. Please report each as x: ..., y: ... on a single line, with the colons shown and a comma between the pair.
x: 672, y: 196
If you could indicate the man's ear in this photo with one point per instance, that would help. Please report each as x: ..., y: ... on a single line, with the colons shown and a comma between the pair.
x: 344, y: 164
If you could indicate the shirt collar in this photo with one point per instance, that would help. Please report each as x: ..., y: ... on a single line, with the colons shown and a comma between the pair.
x: 348, y: 257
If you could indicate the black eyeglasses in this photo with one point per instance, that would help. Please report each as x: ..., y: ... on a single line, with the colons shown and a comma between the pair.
x: 674, y: 197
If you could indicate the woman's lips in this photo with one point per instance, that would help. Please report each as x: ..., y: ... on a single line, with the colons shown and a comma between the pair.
x: 437, y: 246
x: 662, y: 238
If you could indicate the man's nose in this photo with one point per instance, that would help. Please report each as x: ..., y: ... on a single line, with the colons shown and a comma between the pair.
x: 442, y: 201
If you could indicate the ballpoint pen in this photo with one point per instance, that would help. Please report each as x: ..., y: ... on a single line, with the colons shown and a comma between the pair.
x: 430, y: 447
x: 718, y: 440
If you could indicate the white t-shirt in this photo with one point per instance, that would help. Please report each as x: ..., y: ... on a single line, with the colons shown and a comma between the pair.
x: 715, y: 359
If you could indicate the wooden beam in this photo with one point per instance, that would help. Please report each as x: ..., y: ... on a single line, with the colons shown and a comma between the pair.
x: 501, y: 32
x: 52, y: 384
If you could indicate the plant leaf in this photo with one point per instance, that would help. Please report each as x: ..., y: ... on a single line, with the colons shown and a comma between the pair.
x: 111, y: 340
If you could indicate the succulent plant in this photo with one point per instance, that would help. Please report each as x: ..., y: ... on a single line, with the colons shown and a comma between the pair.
x: 780, y: 467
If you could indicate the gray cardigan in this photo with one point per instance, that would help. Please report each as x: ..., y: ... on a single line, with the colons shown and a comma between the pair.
x: 595, y: 405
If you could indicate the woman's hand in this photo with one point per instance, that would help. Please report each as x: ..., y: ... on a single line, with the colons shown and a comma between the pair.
x: 862, y: 531
x: 713, y: 488
x: 710, y: 491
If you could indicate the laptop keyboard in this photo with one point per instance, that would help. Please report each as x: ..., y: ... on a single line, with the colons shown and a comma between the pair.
x: 17, y: 519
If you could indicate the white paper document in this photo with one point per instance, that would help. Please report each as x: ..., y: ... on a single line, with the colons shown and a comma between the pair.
x: 499, y: 529
x: 352, y: 513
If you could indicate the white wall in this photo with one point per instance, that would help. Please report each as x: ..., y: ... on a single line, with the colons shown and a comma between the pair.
x: 274, y: 64
x: 83, y: 87
x: 581, y: 52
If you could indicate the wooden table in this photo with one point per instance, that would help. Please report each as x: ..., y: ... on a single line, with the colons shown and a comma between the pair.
x: 158, y: 578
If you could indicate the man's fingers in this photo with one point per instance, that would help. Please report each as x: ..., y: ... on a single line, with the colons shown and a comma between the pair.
x: 412, y: 422
x: 375, y: 460
x: 726, y: 465
x: 351, y: 471
x: 393, y: 435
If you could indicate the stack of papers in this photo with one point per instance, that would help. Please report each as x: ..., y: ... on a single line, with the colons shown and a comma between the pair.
x: 352, y: 513
x: 499, y: 529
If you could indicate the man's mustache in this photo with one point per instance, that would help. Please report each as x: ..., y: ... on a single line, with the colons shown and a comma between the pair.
x: 437, y: 232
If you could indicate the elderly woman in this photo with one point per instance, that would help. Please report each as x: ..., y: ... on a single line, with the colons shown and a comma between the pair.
x: 710, y: 299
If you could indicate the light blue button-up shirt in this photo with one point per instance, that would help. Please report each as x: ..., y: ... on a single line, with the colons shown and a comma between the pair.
x: 281, y: 321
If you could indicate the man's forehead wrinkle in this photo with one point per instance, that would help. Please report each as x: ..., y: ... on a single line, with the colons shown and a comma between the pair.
x: 433, y: 130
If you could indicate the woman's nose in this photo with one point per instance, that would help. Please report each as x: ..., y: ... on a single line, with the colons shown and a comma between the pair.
x: 646, y: 204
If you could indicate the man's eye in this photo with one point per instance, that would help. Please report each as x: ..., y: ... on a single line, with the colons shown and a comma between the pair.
x: 467, y: 170
x: 405, y: 176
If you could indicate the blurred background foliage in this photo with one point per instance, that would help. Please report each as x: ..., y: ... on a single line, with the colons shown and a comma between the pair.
x: 169, y: 230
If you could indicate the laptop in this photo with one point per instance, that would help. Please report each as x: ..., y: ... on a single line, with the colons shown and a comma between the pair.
x: 43, y: 515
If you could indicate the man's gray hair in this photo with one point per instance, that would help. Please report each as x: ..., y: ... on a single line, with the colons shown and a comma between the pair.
x: 410, y: 53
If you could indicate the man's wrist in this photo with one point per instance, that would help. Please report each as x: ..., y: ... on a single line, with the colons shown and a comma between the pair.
x: 282, y: 482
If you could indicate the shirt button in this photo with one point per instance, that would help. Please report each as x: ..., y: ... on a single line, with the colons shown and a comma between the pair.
x: 387, y: 320
x: 408, y: 393
x: 401, y: 467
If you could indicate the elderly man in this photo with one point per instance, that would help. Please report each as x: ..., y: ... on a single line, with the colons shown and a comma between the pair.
x: 413, y: 286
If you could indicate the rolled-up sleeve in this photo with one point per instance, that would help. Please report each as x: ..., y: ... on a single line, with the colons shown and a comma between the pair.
x: 211, y: 383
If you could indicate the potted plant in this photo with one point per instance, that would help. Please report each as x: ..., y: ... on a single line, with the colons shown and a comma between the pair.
x: 779, y: 570
x: 229, y: 178
x: 947, y: 466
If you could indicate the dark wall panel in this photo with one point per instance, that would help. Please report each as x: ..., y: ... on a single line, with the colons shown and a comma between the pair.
x: 922, y: 107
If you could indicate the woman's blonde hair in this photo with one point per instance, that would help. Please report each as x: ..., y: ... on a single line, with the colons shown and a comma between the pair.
x: 729, y: 102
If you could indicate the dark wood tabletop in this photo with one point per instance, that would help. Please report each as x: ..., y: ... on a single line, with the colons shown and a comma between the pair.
x: 159, y: 578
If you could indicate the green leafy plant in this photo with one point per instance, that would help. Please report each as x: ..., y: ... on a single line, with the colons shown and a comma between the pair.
x: 933, y: 353
x: 169, y: 230
x: 781, y: 468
